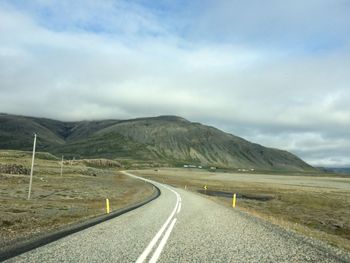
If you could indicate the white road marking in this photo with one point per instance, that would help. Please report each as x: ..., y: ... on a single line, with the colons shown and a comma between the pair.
x: 155, y: 239
x: 162, y: 243
x: 179, y: 208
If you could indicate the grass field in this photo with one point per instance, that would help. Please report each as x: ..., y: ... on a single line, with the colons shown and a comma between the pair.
x: 318, y: 206
x: 315, y: 206
x: 59, y: 200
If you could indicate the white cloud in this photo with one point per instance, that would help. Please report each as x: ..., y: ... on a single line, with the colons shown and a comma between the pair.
x: 109, y: 60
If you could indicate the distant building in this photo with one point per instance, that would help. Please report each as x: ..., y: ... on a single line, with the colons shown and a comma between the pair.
x: 192, y: 166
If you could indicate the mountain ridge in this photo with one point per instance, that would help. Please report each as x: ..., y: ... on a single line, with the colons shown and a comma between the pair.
x: 166, y: 138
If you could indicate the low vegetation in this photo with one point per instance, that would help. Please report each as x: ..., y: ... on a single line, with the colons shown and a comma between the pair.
x: 58, y: 200
x: 316, y: 206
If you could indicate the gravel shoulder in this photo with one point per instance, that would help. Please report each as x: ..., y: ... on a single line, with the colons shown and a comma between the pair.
x: 209, y: 232
x: 121, y: 239
x: 205, y: 231
x: 315, y: 206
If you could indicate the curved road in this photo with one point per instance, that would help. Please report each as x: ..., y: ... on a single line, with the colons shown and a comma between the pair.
x: 181, y: 226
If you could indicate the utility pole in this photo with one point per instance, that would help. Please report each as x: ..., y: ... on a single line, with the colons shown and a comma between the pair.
x: 62, y: 166
x: 32, y: 168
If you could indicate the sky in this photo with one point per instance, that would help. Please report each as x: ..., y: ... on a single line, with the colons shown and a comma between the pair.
x: 274, y: 72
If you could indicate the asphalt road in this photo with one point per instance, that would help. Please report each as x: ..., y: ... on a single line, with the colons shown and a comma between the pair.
x: 181, y: 226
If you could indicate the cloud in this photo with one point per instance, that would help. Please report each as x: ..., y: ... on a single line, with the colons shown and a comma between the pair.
x: 287, y: 88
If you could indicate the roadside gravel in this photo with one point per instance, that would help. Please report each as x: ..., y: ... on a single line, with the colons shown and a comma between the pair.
x: 208, y: 232
x: 204, y: 232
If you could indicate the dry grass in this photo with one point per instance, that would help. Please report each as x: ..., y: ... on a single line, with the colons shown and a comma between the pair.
x: 318, y: 207
x: 56, y: 201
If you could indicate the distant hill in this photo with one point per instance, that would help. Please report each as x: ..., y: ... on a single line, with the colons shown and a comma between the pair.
x: 340, y: 170
x: 166, y: 138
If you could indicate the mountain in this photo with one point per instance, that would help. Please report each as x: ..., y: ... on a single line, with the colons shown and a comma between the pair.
x: 166, y: 138
x: 339, y: 170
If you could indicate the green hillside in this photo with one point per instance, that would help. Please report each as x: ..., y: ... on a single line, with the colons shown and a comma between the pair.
x: 165, y: 138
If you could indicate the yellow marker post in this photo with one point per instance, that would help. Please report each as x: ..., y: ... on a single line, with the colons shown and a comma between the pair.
x: 205, y: 187
x: 107, y: 205
x: 234, y: 200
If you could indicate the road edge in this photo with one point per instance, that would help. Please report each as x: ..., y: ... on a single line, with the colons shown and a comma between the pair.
x: 31, y: 244
x: 337, y: 253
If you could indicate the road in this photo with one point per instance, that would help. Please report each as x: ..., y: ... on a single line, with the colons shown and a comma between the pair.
x: 181, y: 226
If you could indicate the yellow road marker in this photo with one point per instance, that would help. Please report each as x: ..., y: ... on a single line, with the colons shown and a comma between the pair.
x: 234, y: 200
x: 205, y: 187
x: 107, y: 205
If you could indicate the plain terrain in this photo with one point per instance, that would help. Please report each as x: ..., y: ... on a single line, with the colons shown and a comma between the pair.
x: 316, y: 206
x: 58, y: 200
x: 201, y: 230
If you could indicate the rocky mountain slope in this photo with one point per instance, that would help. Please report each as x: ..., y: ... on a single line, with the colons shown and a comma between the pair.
x: 165, y: 138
